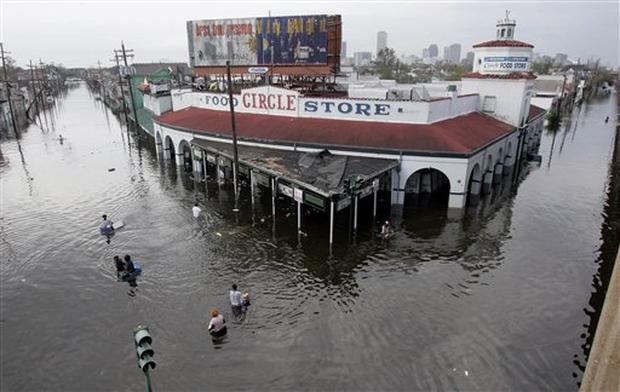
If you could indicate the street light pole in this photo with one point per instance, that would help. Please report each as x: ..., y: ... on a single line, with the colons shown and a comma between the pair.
x: 234, y: 137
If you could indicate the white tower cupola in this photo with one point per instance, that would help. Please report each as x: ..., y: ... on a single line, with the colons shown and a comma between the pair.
x: 506, y: 27
x: 502, y: 75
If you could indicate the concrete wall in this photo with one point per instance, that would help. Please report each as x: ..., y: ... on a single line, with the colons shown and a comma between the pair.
x: 512, y: 97
x: 157, y: 104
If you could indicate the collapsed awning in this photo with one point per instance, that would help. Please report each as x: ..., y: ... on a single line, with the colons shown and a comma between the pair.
x: 320, y: 172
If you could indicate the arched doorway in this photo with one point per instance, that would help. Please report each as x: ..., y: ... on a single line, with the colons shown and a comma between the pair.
x: 169, y: 152
x: 474, y: 186
x: 427, y: 187
x: 425, y: 209
x: 186, y: 158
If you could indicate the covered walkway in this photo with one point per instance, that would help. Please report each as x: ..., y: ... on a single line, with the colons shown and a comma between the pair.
x: 320, y: 180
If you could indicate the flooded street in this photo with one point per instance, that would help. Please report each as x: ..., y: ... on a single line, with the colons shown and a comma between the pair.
x: 498, y: 299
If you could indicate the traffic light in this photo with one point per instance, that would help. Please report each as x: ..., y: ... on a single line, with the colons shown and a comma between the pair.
x: 144, y: 352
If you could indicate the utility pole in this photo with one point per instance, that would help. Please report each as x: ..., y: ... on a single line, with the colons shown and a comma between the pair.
x: 234, y: 137
x: 43, y: 103
x: 101, y: 80
x: 8, y: 89
x: 34, y: 95
x: 124, y: 53
x: 120, y: 83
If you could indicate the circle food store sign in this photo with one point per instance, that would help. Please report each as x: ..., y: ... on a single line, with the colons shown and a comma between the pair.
x: 506, y: 63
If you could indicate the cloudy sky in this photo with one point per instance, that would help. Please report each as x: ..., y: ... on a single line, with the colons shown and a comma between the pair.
x: 79, y: 33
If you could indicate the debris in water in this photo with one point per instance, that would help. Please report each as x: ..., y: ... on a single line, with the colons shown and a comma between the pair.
x: 218, y: 234
x: 466, y: 373
x: 111, y: 169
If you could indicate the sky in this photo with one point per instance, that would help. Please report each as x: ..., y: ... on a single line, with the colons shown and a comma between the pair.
x: 81, y: 33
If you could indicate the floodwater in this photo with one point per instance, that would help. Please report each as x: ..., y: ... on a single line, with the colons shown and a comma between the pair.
x: 498, y: 299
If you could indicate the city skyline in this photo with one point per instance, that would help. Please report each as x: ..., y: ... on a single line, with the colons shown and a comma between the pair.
x: 576, y: 31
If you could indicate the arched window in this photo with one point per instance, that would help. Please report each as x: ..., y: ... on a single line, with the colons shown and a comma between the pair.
x: 503, y: 33
x: 509, y: 34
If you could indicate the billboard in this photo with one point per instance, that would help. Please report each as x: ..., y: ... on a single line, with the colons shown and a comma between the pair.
x: 212, y: 42
x: 506, y: 63
x: 279, y: 40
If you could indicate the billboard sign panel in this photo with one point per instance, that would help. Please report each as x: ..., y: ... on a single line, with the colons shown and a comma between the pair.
x: 212, y: 42
x: 281, y: 40
x: 506, y: 63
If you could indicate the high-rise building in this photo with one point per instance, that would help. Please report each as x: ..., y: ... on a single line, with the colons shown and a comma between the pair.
x: 452, y: 53
x: 381, y: 41
x: 470, y: 57
x: 433, y: 51
x: 560, y: 59
x: 362, y: 58
x: 343, y: 50
x: 425, y: 53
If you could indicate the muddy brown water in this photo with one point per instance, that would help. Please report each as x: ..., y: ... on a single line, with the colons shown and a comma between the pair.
x: 497, y: 299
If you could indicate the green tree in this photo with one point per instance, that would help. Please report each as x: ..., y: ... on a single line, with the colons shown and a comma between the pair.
x: 542, y: 67
x: 554, y: 120
x: 454, y: 71
x: 386, y: 58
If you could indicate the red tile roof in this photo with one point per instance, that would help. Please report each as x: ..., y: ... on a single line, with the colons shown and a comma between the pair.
x: 499, y: 43
x: 512, y: 75
x: 535, y: 111
x: 461, y: 135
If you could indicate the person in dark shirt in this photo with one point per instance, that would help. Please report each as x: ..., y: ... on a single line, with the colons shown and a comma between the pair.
x: 129, y: 267
x: 130, y: 272
x: 120, y: 266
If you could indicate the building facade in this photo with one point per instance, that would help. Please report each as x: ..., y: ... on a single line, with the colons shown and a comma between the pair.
x: 453, y: 142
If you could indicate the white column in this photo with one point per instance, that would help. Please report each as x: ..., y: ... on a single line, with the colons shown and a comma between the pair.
x: 204, y: 165
x: 252, y: 187
x: 398, y: 193
x: 374, y: 203
x: 331, y: 222
x: 487, y: 180
x: 273, y: 198
x: 355, y: 212
x: 497, y: 173
x: 298, y: 216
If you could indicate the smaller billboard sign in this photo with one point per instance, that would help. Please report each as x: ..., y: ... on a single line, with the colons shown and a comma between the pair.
x: 506, y: 63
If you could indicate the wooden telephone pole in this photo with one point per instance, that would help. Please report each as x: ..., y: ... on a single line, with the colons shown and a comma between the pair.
x: 234, y: 137
x: 123, y: 53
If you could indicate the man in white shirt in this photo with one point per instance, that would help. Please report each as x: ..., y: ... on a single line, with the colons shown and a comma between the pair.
x: 235, y: 300
x: 196, y: 211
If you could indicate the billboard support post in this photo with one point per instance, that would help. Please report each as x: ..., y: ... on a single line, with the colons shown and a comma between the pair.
x: 234, y: 137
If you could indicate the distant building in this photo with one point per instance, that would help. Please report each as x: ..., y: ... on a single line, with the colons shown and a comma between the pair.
x: 425, y: 53
x: 469, y: 57
x: 362, y: 58
x: 452, y: 53
x: 560, y: 59
x: 381, y: 41
x: 343, y: 50
x: 433, y: 51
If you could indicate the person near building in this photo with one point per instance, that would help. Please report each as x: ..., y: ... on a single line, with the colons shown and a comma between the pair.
x: 196, y: 211
x: 386, y: 230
